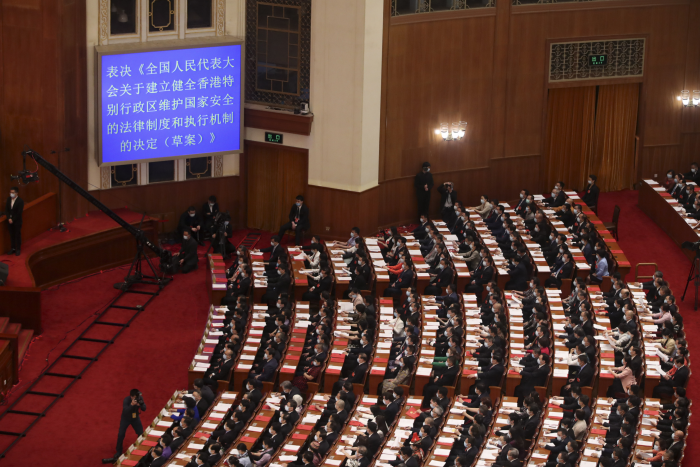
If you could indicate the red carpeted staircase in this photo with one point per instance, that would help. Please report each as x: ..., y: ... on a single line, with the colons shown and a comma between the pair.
x: 24, y: 336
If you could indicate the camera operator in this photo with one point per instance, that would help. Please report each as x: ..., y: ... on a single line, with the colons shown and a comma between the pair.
x: 449, y: 198
x: 223, y: 230
x: 210, y: 209
x: 132, y: 406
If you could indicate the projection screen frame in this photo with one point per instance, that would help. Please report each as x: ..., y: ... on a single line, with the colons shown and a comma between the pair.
x: 157, y: 46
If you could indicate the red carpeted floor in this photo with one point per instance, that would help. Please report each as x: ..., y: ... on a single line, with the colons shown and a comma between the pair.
x: 154, y: 353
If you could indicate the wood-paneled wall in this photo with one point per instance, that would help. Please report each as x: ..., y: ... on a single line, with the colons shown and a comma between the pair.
x: 173, y: 198
x: 42, y: 94
x: 490, y: 69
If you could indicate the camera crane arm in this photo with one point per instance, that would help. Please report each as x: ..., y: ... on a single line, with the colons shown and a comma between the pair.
x: 27, y: 176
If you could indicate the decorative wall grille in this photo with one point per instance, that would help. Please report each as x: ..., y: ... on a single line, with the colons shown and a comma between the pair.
x: 568, y: 61
x: 253, y: 60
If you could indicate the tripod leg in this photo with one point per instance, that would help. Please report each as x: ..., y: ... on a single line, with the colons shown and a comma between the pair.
x: 696, y: 265
x: 690, y: 277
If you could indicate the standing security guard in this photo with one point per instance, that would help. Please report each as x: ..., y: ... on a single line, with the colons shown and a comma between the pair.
x: 423, y: 183
x: 13, y: 210
x: 130, y: 416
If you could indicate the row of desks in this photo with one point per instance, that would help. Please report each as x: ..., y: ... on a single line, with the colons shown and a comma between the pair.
x: 163, y: 422
x: 668, y: 214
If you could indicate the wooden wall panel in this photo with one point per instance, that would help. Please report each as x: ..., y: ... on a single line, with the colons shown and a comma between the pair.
x: 511, y: 52
x: 437, y: 73
x: 175, y: 197
x: 42, y: 94
x: 335, y: 212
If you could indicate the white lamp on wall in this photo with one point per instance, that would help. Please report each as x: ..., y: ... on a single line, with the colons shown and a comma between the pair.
x: 686, y: 99
x: 454, y: 132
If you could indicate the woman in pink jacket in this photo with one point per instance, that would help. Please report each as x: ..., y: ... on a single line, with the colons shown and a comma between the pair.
x: 624, y: 378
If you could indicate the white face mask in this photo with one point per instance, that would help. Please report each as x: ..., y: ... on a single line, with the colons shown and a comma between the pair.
x: 669, y: 176
x: 522, y: 196
x: 192, y: 214
x: 408, y: 294
x: 13, y: 195
x: 185, y: 237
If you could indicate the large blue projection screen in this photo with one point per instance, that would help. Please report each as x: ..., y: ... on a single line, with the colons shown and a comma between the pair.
x: 170, y: 103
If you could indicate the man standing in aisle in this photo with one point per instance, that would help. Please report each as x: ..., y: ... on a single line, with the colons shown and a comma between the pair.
x: 13, y: 210
x: 423, y: 184
x: 130, y: 416
x: 298, y: 221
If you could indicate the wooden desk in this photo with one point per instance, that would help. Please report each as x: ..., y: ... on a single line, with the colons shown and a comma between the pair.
x: 665, y: 215
x: 217, y: 291
x: 142, y: 446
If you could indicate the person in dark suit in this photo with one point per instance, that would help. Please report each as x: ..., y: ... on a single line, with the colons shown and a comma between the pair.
x: 482, y: 276
x: 298, y: 221
x: 443, y: 278
x: 491, y: 376
x: 279, y: 287
x: 220, y: 370
x: 531, y: 377
x: 214, y: 452
x: 590, y: 196
x: 178, y: 440
x: 557, y: 199
x: 361, y: 277
x: 392, y: 406
x: 420, y: 232
x: 14, y: 206
x: 223, y: 230
x: 669, y: 381
x: 268, y: 370
x: 202, y: 405
x: 324, y: 284
x: 423, y: 183
x: 189, y: 222
x: 562, y: 272
x: 583, y: 376
x: 131, y: 405
x: 446, y: 376
x: 558, y: 444
x: 404, y: 280
x: 205, y: 390
x: 518, y: 275
x: 158, y: 459
x: 447, y: 202
x: 186, y: 259
x: 275, y: 250
x: 237, y: 288
x: 357, y: 371
x: 209, y: 211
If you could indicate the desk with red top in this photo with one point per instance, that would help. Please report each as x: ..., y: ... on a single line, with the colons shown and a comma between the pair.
x: 216, y: 278
x: 664, y: 210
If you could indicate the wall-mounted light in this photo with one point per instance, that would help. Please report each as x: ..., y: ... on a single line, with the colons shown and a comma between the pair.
x: 686, y: 100
x: 454, y: 132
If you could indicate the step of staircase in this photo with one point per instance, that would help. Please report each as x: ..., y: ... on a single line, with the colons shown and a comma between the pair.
x: 13, y: 328
x: 4, y: 321
x: 25, y: 338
